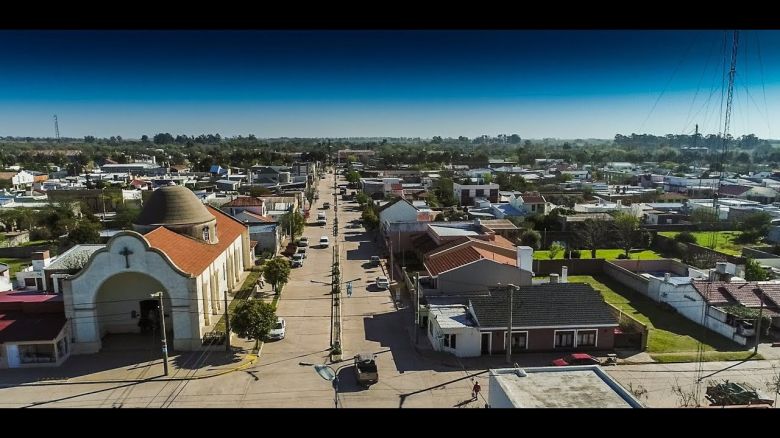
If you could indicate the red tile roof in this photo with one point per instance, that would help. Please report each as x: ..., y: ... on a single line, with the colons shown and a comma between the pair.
x: 748, y: 293
x: 447, y: 258
x: 244, y: 201
x: 733, y: 190
x: 450, y: 260
x: 191, y: 255
x: 503, y: 241
x: 533, y: 199
x: 267, y: 219
x: 20, y: 327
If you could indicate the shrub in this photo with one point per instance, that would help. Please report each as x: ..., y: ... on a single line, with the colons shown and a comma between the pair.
x: 575, y: 254
x: 623, y: 256
x: 685, y: 237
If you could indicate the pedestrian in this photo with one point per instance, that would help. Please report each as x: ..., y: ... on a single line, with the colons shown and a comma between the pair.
x: 260, y: 281
x: 475, y: 391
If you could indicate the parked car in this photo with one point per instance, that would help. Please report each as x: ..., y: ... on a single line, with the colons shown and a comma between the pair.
x: 303, y: 242
x: 277, y: 332
x: 366, y: 371
x: 326, y: 205
x: 297, y: 260
x: 324, y: 241
x: 375, y: 260
x: 321, y: 218
x: 382, y: 283
x: 576, y: 359
x: 302, y: 251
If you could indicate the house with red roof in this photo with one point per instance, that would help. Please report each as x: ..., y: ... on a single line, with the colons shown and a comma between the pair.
x: 33, y: 330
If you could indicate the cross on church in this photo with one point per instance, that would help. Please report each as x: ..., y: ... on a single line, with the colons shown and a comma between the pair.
x: 126, y: 252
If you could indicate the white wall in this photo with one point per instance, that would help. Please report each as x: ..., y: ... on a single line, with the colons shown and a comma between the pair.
x: 81, y: 291
x: 690, y: 304
x: 467, y: 340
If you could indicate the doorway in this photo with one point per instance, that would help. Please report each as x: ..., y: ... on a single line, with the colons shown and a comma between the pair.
x: 486, y: 343
x: 150, y: 316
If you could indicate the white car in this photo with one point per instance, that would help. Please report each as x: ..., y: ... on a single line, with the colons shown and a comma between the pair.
x: 277, y: 332
x: 324, y: 241
x: 382, y: 283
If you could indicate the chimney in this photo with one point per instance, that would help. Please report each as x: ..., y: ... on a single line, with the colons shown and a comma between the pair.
x: 554, y: 279
x: 40, y: 260
x: 713, y: 275
x: 525, y: 256
x: 564, y: 274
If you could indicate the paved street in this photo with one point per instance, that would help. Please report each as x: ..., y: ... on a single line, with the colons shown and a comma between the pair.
x: 409, y: 377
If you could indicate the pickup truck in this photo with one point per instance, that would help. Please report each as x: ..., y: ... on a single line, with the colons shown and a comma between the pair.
x: 365, y: 369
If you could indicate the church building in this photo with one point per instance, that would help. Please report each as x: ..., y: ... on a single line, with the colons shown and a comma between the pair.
x: 190, y: 252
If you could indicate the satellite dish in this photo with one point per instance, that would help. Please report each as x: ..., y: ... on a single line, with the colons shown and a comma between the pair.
x: 325, y: 372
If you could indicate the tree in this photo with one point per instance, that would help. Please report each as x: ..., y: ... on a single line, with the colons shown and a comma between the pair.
x: 277, y: 272
x: 85, y: 232
x: 754, y: 227
x: 555, y: 249
x: 593, y: 234
x: 362, y: 199
x: 487, y: 178
x: 309, y: 194
x: 353, y: 177
x: 626, y: 226
x: 754, y: 271
x: 531, y: 238
x: 126, y: 215
x: 292, y: 222
x: 703, y: 218
x: 370, y: 219
x: 253, y: 320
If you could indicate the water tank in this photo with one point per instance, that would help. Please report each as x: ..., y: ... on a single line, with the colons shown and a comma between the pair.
x: 720, y: 267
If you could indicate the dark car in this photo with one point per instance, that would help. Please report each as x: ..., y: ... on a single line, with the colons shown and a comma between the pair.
x: 576, y: 359
x: 366, y: 371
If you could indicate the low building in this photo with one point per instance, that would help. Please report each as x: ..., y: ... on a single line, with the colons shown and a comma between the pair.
x: 33, y: 330
x: 557, y: 387
x: 467, y: 194
x: 268, y: 237
x: 547, y: 317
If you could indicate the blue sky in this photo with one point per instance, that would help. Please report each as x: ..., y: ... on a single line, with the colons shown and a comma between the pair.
x: 565, y: 84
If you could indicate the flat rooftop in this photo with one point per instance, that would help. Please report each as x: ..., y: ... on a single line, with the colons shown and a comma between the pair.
x: 452, y: 231
x: 452, y: 316
x: 562, y: 387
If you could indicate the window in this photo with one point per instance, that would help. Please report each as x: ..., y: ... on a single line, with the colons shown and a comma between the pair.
x: 480, y: 192
x: 37, y: 353
x: 206, y: 233
x: 519, y: 341
x: 564, y: 339
x: 449, y: 341
x: 586, y: 338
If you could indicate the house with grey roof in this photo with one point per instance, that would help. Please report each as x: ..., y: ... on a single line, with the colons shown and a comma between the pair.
x: 547, y: 317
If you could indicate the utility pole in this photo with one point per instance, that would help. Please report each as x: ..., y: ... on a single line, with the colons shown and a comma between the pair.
x: 162, y: 326
x: 760, y: 317
x: 227, y: 325
x: 510, y: 291
x: 416, y: 308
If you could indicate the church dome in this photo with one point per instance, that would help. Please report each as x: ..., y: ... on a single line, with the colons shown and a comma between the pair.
x: 173, y: 205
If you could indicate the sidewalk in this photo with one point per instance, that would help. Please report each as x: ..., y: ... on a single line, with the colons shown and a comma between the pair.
x: 132, y: 366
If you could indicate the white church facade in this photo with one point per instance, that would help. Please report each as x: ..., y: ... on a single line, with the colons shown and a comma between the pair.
x: 192, y: 253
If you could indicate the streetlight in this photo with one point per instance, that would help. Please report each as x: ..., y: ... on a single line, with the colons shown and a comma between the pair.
x: 162, y: 326
x: 328, y: 373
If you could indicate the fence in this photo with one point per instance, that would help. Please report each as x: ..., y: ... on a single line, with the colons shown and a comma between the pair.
x: 575, y: 266
x: 22, y: 252
x: 632, y: 324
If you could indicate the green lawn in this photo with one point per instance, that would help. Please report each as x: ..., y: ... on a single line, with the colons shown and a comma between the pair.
x: 673, y: 338
x: 15, y: 265
x: 609, y: 254
x: 722, y: 241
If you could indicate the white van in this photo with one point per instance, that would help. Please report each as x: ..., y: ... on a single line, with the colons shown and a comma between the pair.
x: 321, y: 219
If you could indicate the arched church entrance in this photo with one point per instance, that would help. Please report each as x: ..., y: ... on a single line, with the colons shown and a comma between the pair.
x: 128, y: 316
